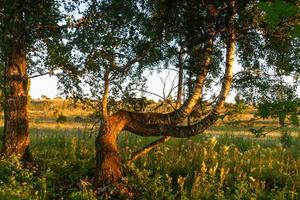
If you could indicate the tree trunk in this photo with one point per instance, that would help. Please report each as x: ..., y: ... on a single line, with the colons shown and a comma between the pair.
x: 16, y: 125
x: 108, y: 161
x: 180, y: 79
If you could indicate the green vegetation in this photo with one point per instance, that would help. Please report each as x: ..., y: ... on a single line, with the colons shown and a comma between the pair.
x: 203, y: 167
x: 102, y: 53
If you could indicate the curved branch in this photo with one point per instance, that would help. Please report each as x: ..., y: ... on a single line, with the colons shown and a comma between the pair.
x: 137, y: 126
x: 184, y: 111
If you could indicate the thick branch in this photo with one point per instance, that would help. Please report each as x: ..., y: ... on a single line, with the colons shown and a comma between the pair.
x: 185, y: 110
x: 161, y: 129
x: 105, y: 96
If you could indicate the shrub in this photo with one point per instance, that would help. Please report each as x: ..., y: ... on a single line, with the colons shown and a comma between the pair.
x: 78, y: 119
x: 61, y: 118
x: 286, y: 138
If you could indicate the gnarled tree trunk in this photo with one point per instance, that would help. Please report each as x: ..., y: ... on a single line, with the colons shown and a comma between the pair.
x: 108, y: 167
x: 108, y: 161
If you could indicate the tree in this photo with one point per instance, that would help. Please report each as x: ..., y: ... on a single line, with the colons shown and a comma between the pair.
x: 122, y: 39
x: 270, y: 58
x: 23, y: 31
x: 117, y: 47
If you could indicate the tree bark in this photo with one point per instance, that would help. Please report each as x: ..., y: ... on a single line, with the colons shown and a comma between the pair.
x: 108, y: 161
x: 184, y: 111
x: 16, y: 125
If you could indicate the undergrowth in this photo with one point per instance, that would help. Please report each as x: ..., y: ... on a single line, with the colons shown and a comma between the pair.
x: 203, y: 167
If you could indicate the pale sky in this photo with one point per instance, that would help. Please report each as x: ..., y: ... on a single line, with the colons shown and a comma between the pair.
x: 46, y: 85
x: 43, y: 85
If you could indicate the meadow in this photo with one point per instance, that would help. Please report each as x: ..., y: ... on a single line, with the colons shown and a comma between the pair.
x: 227, y: 162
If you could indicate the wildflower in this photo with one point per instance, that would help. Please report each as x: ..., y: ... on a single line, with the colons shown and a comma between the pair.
x: 181, y: 181
x: 223, y: 173
x: 169, y: 179
x: 225, y: 149
x: 252, y: 179
x: 214, y: 154
x: 203, y: 167
x: 212, y: 170
x: 213, y: 142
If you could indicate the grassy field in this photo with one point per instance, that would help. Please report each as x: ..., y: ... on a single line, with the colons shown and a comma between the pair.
x: 226, y: 162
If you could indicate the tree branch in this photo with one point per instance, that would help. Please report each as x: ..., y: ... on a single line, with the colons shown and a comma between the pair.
x: 147, y: 149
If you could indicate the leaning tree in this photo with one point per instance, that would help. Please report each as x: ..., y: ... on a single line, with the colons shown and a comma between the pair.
x: 122, y: 39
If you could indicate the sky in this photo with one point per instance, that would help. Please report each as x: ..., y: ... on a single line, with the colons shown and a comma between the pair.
x: 43, y: 85
x: 46, y: 85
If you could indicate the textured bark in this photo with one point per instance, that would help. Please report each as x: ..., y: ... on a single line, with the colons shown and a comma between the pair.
x: 108, y: 161
x: 16, y: 125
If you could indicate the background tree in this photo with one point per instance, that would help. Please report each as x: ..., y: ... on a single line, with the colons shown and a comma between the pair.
x: 25, y: 30
x: 270, y: 61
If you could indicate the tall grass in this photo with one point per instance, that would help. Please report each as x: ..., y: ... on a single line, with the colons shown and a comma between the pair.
x: 203, y: 167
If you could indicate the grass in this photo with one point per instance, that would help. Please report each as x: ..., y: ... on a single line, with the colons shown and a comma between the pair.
x: 225, y: 163
x: 203, y: 167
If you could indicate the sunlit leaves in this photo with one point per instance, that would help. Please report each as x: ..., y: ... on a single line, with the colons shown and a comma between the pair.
x: 280, y: 12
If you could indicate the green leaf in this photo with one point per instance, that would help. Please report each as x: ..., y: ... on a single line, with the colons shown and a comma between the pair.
x: 278, y: 10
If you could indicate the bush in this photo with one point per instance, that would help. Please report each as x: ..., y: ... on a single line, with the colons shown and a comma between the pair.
x: 17, y: 181
x: 78, y: 119
x: 61, y: 119
x: 286, y: 138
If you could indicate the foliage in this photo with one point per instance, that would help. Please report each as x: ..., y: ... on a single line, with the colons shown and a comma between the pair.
x: 61, y: 118
x: 78, y: 119
x: 202, y: 168
x: 278, y: 11
x: 286, y: 138
x: 237, y: 109
x: 19, y: 181
x: 258, y: 132
x: 281, y: 110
